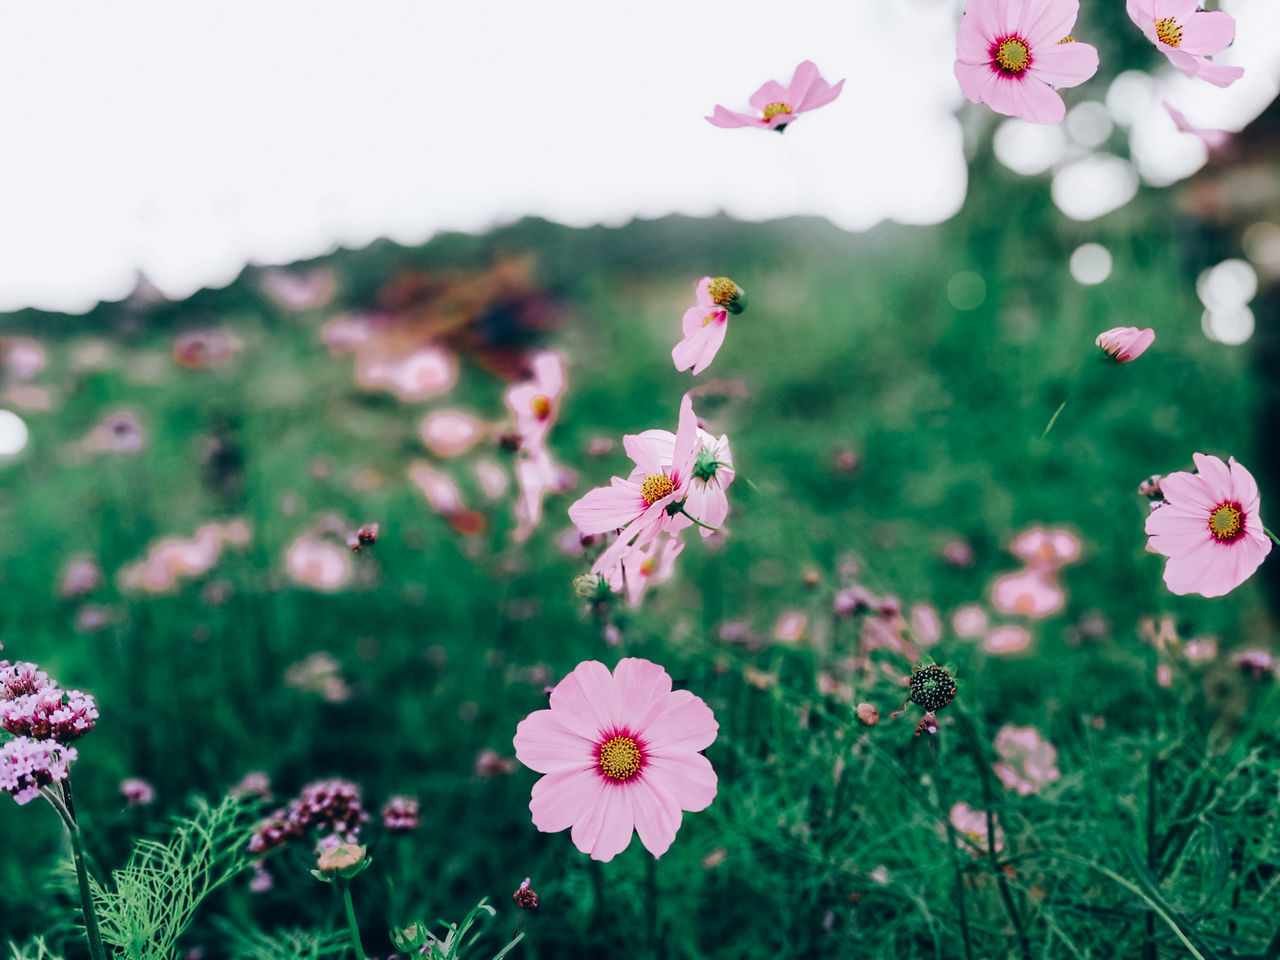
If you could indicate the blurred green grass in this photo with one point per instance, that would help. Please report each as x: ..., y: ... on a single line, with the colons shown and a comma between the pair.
x: 849, y: 344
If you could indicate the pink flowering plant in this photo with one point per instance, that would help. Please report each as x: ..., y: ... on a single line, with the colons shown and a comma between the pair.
x: 777, y: 106
x: 1188, y: 36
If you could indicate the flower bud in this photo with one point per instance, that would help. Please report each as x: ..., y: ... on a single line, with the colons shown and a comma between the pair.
x: 525, y: 898
x: 868, y: 715
x: 1125, y: 343
x: 343, y: 860
x: 590, y: 586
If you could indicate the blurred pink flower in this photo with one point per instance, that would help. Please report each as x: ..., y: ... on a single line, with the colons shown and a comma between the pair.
x: 21, y: 357
x: 426, y: 372
x: 790, y: 626
x: 489, y: 763
x: 1187, y: 36
x: 1125, y: 343
x: 1203, y: 648
x: 536, y: 475
x: 444, y: 498
x: 639, y: 503
x: 262, y: 881
x: 1026, y: 760
x: 81, y: 575
x: 535, y: 403
x: 400, y: 814
x: 137, y: 792
x: 119, y: 433
x: 1030, y: 593
x: 300, y: 289
x: 201, y: 349
x: 1256, y: 662
x: 172, y: 559
x: 926, y: 625
x: 958, y: 553
x: 318, y: 672
x: 1011, y: 56
x: 492, y: 478
x: 1209, y: 528
x: 620, y: 753
x: 449, y: 433
x: 969, y: 620
x: 1213, y: 139
x: 1046, y: 550
x: 711, y: 475
x: 973, y: 824
x: 778, y: 105
x: 705, y: 323
x: 645, y: 566
x: 1006, y: 639
x: 318, y: 564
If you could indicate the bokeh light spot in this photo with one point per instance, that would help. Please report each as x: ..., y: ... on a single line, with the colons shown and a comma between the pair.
x: 13, y: 433
x: 1090, y: 263
x: 966, y: 290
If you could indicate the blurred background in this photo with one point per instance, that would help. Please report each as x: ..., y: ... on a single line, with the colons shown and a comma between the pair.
x: 269, y: 272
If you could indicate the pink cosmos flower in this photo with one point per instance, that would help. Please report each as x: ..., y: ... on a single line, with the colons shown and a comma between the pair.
x: 1046, y: 550
x: 620, y: 753
x: 645, y: 566
x: 706, y: 322
x: 973, y: 824
x: 1213, y: 139
x: 1011, y: 55
x: 1187, y: 36
x: 1126, y: 343
x: 535, y: 402
x: 1209, y: 528
x: 317, y: 564
x: 1009, y: 638
x: 1030, y: 593
x: 639, y: 504
x: 779, y: 105
x: 969, y: 621
x: 1027, y: 760
x: 712, y: 474
x: 536, y: 476
x: 450, y: 433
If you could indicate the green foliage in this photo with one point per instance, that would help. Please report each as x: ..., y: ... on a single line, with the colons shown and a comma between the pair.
x: 33, y: 950
x: 156, y: 894
x: 282, y: 944
x: 458, y: 938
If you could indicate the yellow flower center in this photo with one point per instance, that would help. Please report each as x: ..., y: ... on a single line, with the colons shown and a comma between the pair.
x: 722, y: 290
x: 619, y: 758
x: 1225, y: 522
x: 655, y: 487
x: 1013, y: 55
x: 1067, y: 39
x: 707, y: 320
x: 648, y: 565
x: 1168, y: 31
x: 541, y: 407
x: 771, y: 110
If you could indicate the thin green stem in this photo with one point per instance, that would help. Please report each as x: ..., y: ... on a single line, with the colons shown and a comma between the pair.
x: 651, y: 903
x: 704, y: 526
x: 1153, y: 859
x: 62, y: 802
x: 1274, y: 538
x: 952, y: 847
x: 352, y: 927
x: 1054, y: 419
x: 1272, y: 950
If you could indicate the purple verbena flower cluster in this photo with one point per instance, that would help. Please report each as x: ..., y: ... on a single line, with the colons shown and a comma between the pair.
x: 400, y: 814
x: 26, y: 765
x: 21, y: 678
x: 326, y: 805
x: 49, y: 714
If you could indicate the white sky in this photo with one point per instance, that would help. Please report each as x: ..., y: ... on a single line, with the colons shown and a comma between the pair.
x: 186, y: 140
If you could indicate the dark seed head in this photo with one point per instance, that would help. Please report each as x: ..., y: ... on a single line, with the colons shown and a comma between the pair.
x: 932, y: 687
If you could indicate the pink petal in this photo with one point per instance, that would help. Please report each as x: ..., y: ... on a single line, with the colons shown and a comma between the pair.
x: 563, y: 798
x: 720, y: 117
x: 1180, y: 10
x: 684, y: 724
x: 1065, y: 64
x: 606, y: 829
x: 688, y: 777
x: 638, y: 685
x: 544, y: 744
x: 699, y: 349
x: 801, y: 81
x: 972, y: 45
x: 819, y: 95
x: 639, y: 532
x: 1027, y: 98
x: 645, y: 455
x: 702, y: 293
x: 771, y: 92
x: 1141, y: 11
x: 1209, y: 32
x: 1189, y: 492
x: 607, y: 508
x: 1195, y: 570
x: 657, y: 815
x: 976, y: 80
x: 1045, y: 22
x: 687, y: 443
x: 1215, y: 475
x: 1243, y: 487
x: 583, y: 701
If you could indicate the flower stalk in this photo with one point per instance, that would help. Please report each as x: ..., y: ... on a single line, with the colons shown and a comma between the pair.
x: 60, y: 799
x: 353, y: 929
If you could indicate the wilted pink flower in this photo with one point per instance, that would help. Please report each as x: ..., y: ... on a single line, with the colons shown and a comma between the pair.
x: 137, y: 792
x: 1006, y: 639
x: 973, y: 824
x: 119, y: 433
x: 318, y: 564
x: 645, y: 566
x: 969, y: 621
x: 1030, y: 593
x: 711, y: 475
x: 20, y: 679
x: 80, y: 576
x: 448, y: 433
x: 1125, y: 343
x: 1213, y: 139
x: 489, y: 763
x: 639, y: 503
x: 1209, y: 528
x: 400, y: 814
x: 1187, y: 36
x: 868, y: 715
x: 1011, y: 56
x: 620, y: 752
x: 778, y: 105
x: 1046, y: 550
x: 705, y: 323
x: 49, y: 714
x: 300, y: 289
x: 26, y: 765
x: 1027, y: 761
